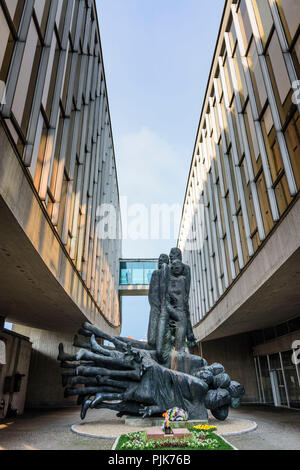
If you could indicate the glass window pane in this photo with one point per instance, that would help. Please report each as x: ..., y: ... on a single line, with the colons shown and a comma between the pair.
x: 240, y: 75
x: 15, y: 8
x: 274, y: 154
x: 60, y: 16
x: 40, y: 158
x: 292, y: 136
x: 274, y: 361
x: 291, y: 378
x: 264, y: 204
x: 265, y: 380
x: 283, y: 195
x: 280, y: 74
x: 290, y: 15
x: 245, y: 23
x: 228, y: 80
x: 28, y: 73
x: 232, y: 36
x: 268, y: 120
x: 54, y: 169
x: 252, y: 138
x: 137, y: 274
x: 62, y: 206
x: 27, y: 78
x: 66, y: 80
x: 296, y: 55
x: 281, y: 387
x: 264, y: 18
x: 6, y: 47
x: 41, y: 8
x: 257, y: 77
x: 51, y: 78
x: 74, y: 21
x: 125, y: 274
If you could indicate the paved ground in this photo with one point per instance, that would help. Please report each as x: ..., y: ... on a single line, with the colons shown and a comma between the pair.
x: 114, y: 427
x: 48, y: 430
x: 277, y: 429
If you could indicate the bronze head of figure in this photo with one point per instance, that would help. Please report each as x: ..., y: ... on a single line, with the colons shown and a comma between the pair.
x: 163, y: 259
x: 177, y: 268
x: 175, y: 253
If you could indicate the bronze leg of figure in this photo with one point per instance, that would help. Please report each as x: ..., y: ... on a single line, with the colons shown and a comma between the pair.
x: 180, y: 335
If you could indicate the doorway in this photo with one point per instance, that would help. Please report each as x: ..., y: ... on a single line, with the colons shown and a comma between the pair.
x: 278, y: 379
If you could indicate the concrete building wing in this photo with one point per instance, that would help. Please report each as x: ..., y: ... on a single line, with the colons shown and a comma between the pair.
x: 58, y: 176
x: 240, y: 223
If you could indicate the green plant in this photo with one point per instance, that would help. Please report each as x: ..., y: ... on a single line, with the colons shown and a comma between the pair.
x: 199, y: 440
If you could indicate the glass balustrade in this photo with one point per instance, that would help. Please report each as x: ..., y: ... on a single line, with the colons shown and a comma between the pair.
x: 136, y: 272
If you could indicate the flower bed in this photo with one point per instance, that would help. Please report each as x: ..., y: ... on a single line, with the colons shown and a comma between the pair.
x: 205, y: 427
x: 200, y: 440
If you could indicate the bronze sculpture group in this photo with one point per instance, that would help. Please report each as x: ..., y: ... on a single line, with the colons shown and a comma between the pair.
x: 137, y: 378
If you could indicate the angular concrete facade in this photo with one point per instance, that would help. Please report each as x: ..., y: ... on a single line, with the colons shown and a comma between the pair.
x: 58, y: 179
x: 241, y: 216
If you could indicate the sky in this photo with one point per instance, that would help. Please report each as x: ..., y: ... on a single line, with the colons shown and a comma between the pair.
x: 157, y: 58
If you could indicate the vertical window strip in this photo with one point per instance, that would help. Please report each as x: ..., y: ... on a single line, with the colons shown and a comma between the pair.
x: 236, y: 165
x: 258, y: 129
x: 284, y: 44
x: 241, y: 120
x: 272, y: 102
x: 16, y: 60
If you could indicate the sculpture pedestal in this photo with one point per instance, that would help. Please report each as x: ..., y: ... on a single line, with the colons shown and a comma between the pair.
x: 158, y: 422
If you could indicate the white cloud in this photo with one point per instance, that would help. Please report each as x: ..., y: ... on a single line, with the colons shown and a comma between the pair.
x: 150, y: 170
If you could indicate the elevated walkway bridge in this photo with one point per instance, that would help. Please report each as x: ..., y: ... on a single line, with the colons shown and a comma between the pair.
x: 135, y: 276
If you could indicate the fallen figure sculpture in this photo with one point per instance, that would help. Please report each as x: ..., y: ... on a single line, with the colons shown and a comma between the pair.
x: 128, y: 379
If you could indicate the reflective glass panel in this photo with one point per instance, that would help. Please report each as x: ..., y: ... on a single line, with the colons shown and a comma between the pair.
x: 6, y: 47
x: 265, y: 380
x: 291, y: 378
x: 278, y: 380
x: 136, y: 273
x: 290, y: 15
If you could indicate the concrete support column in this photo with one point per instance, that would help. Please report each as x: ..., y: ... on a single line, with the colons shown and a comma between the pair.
x: 45, y: 384
x: 236, y: 355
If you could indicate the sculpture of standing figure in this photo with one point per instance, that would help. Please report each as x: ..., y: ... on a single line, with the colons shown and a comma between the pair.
x: 176, y: 254
x: 170, y: 322
x: 155, y: 299
x: 177, y: 303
